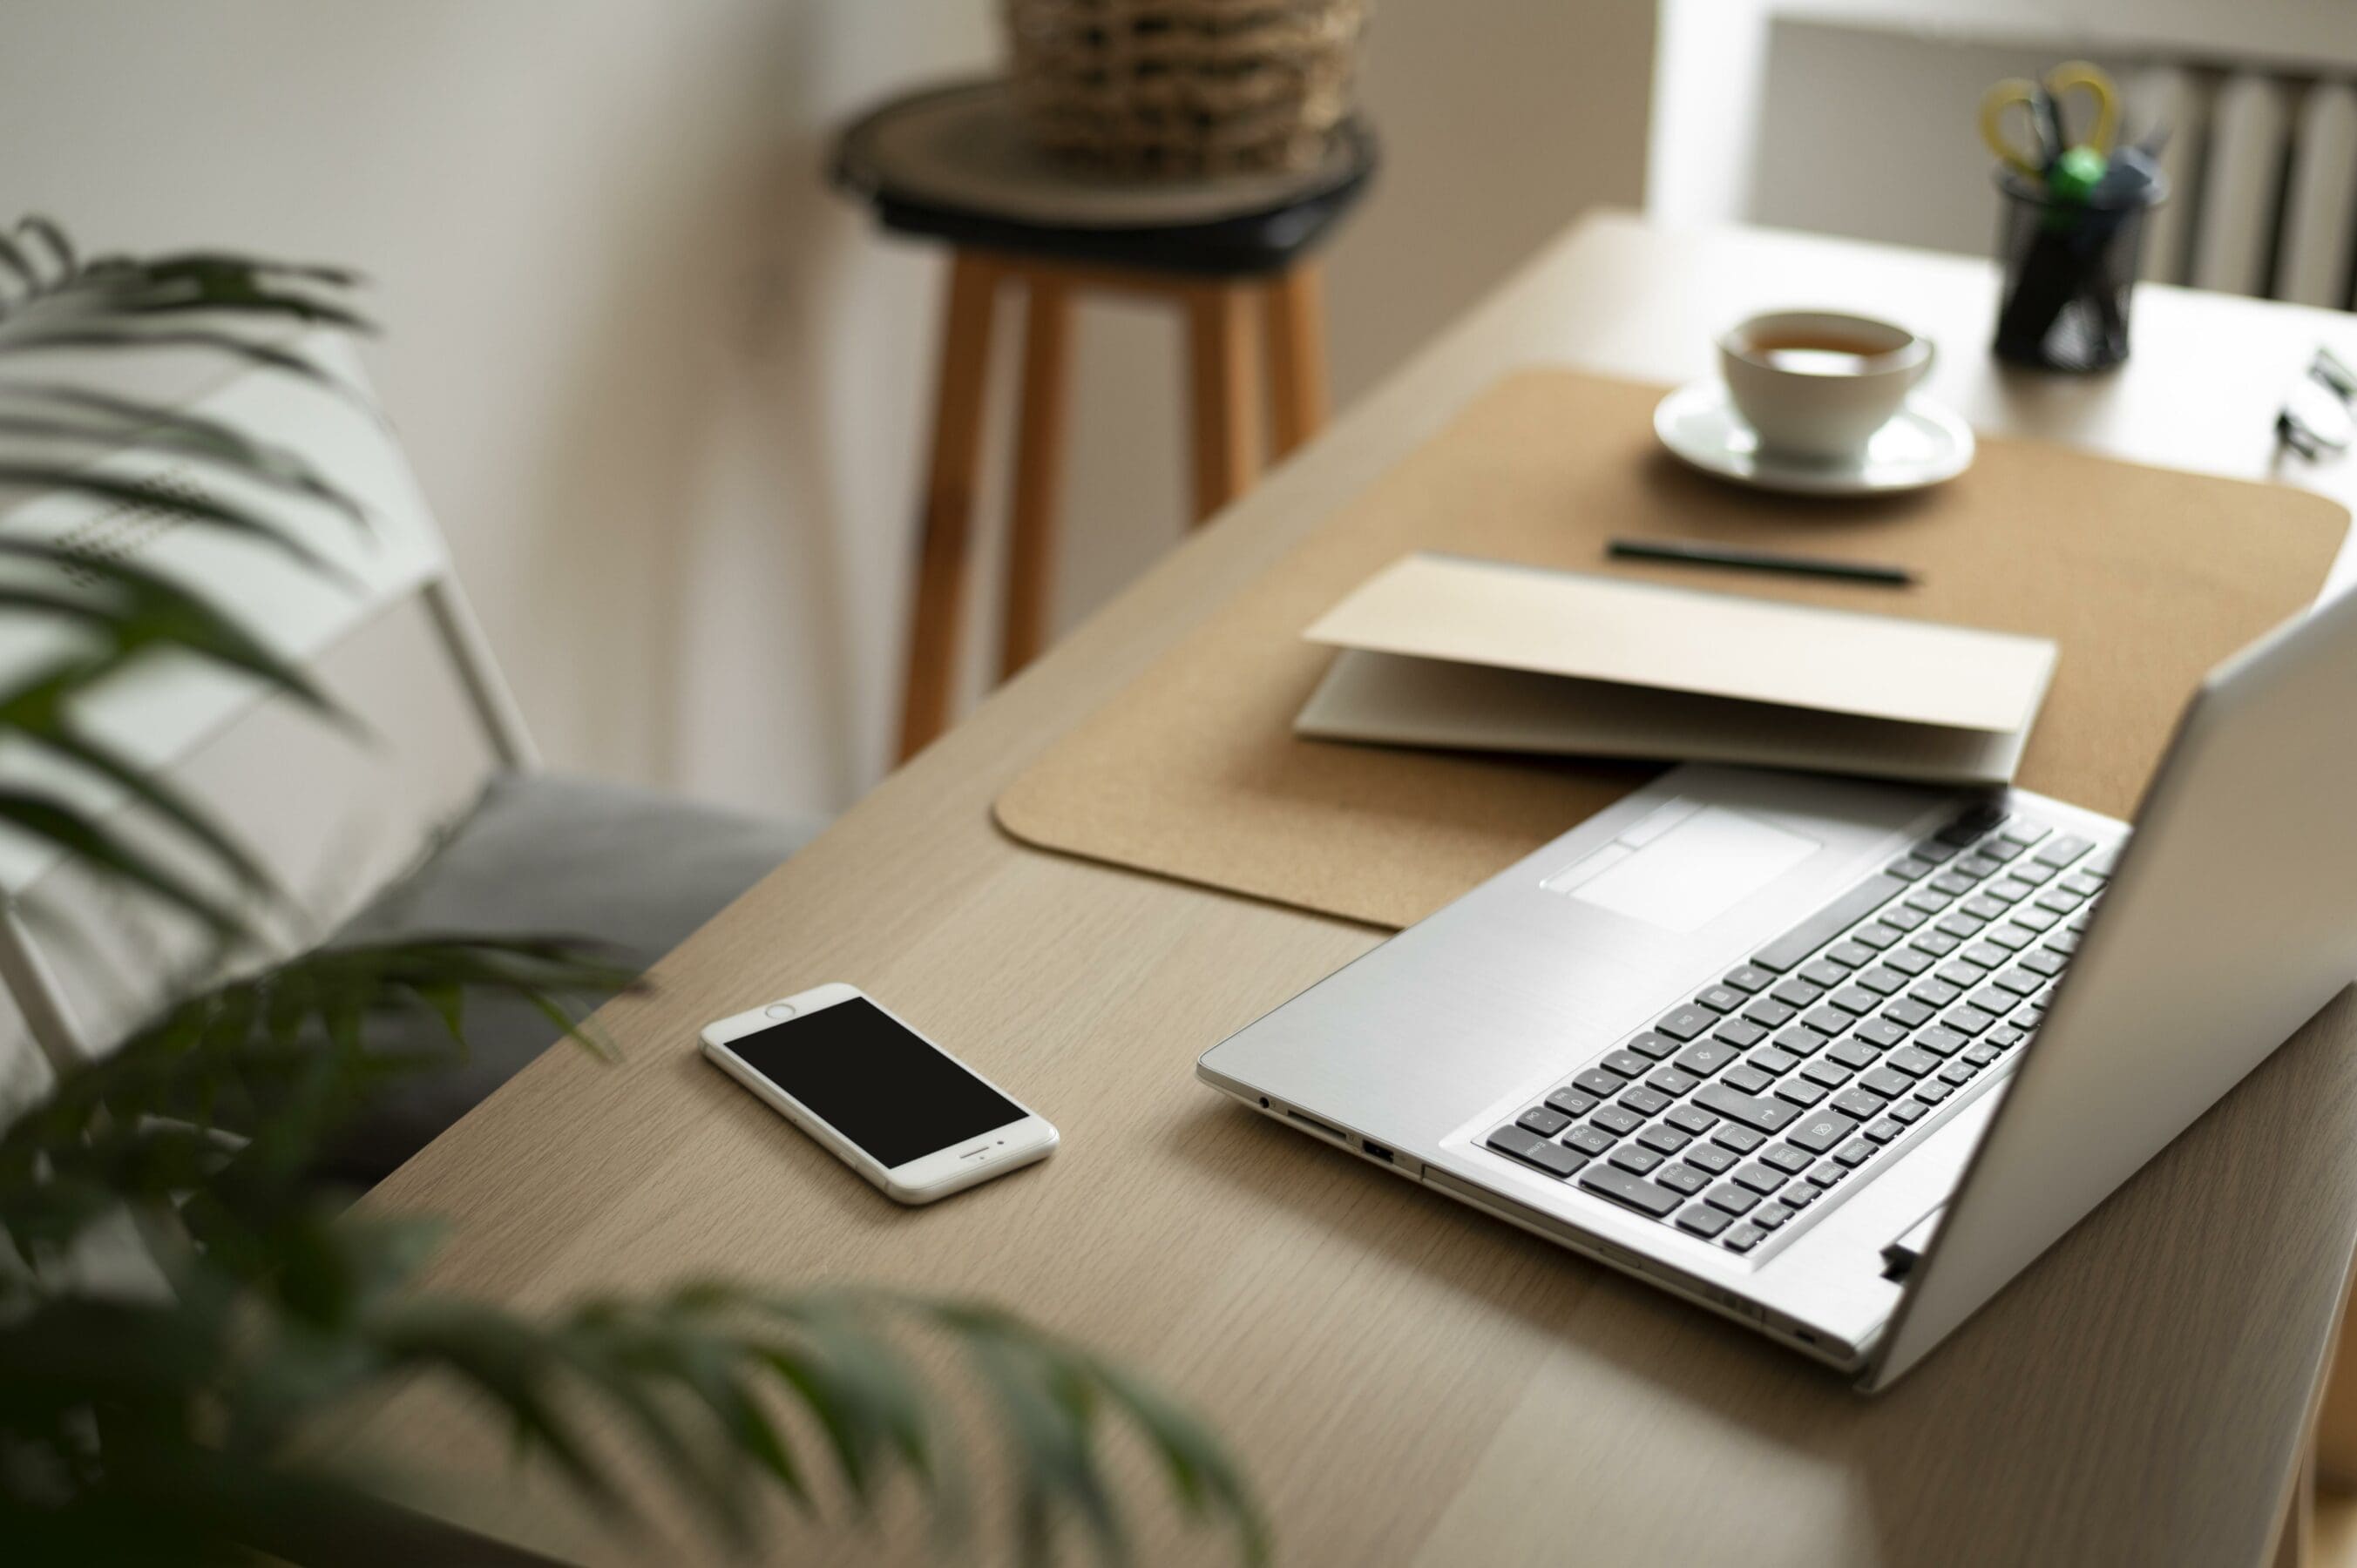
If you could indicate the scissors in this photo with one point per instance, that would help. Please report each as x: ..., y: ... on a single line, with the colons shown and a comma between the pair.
x: 2047, y: 152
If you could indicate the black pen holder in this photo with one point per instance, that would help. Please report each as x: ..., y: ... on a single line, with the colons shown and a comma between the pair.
x: 2068, y: 270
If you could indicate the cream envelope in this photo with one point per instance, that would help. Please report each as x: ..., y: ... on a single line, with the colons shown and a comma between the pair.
x: 1441, y: 650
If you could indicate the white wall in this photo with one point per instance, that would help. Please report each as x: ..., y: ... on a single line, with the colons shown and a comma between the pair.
x: 664, y: 389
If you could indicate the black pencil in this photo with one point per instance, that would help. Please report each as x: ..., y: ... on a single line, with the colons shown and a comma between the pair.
x: 1692, y: 553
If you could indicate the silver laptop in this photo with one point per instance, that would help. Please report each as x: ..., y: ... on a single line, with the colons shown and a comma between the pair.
x: 1839, y: 1059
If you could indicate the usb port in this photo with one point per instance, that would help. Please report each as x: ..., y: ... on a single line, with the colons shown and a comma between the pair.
x: 1376, y: 1150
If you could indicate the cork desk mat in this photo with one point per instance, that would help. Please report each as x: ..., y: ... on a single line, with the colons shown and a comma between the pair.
x: 2144, y: 576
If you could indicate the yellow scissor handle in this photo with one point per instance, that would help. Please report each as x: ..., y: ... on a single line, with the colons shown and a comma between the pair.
x: 2012, y: 93
x: 2078, y: 73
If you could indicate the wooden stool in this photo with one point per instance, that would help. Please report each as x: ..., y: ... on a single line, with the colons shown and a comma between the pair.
x: 954, y: 164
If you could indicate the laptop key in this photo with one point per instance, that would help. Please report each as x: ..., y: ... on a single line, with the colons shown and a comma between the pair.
x: 1914, y: 1063
x: 1850, y: 955
x: 1710, y: 1157
x: 1588, y: 1139
x: 2045, y: 962
x: 1988, y: 955
x: 1635, y: 1158
x: 1682, y: 1178
x: 1616, y: 1121
x: 1743, y: 1238
x: 1628, y: 1064
x: 1909, y: 868
x: 1858, y: 1103
x: 1884, y: 1131
x: 1719, y: 998
x: 1742, y: 1140
x: 1740, y: 1032
x: 1571, y: 1102
x: 1775, y: 1063
x: 1745, y: 1078
x: 1826, y: 1175
x: 1955, y: 884
x: 1825, y: 974
x: 1828, y: 1073
x: 1932, y: 850
x: 1759, y: 1115
x: 1855, y: 1000
x: 1627, y: 1188
x: 1982, y: 1055
x: 1672, y: 1083
x: 1903, y: 915
x: 1932, y: 1093
x: 1732, y: 1199
x: 1909, y: 962
x: 1801, y: 1092
x: 1820, y: 1131
x: 1963, y: 976
x: 1981, y: 907
x: 1962, y: 927
x: 1877, y: 936
x: 1691, y: 1119
x: 1882, y: 980
x: 1687, y: 1022
x: 1543, y: 1121
x: 1908, y: 1014
x: 1879, y: 1032
x: 2036, y: 920
x: 1800, y: 1194
x: 1887, y: 1083
x: 1939, y: 944
x: 1653, y: 1044
x: 1909, y: 1111
x: 1664, y: 1139
x: 2010, y: 938
x: 1761, y: 1179
x: 1769, y: 1013
x: 1786, y: 1158
x: 2063, y: 851
x: 1958, y: 1073
x: 1771, y: 1216
x: 1645, y: 1101
x: 1800, y: 1042
x: 2025, y: 831
x: 1827, y: 1020
x: 1967, y: 1020
x: 1797, y: 992
x: 1940, y: 1042
x: 1704, y: 1058
x: 1853, y: 1154
x: 1596, y: 1081
x: 1749, y: 978
x: 1855, y: 1055
x: 1978, y: 864
x: 1704, y: 1221
x: 1934, y: 992
x: 1995, y: 1000
x: 2082, y: 883
x: 1531, y: 1149
x: 1787, y: 952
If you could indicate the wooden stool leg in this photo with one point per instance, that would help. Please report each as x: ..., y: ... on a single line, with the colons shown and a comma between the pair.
x: 949, y: 501
x: 1038, y: 472
x: 1295, y: 307
x: 1226, y: 404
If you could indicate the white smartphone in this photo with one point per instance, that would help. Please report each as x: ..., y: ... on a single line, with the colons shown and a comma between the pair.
x: 880, y: 1097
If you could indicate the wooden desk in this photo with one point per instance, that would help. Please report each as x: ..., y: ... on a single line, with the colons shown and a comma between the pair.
x: 1407, y: 1381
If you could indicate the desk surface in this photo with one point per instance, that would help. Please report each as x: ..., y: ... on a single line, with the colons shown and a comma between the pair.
x: 1406, y: 1381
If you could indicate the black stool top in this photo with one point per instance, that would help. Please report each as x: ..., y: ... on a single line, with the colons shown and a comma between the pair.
x: 953, y: 162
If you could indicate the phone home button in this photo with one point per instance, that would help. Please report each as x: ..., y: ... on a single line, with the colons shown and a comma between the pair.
x: 779, y: 1010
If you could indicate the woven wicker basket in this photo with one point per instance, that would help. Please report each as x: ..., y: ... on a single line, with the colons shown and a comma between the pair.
x: 1181, y: 88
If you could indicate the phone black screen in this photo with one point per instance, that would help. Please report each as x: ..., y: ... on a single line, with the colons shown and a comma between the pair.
x: 876, y: 1083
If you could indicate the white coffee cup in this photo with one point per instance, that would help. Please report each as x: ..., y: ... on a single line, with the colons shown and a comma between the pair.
x: 1817, y: 385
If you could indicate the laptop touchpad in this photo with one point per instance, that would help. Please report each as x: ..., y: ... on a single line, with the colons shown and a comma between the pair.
x: 1690, y: 875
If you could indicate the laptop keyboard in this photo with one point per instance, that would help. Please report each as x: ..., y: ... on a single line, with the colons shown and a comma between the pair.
x: 1808, y: 1068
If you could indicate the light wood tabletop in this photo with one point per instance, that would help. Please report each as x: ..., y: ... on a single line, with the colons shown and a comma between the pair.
x: 1405, y: 1380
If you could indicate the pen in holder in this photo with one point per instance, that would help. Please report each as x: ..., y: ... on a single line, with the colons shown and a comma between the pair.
x: 2068, y: 267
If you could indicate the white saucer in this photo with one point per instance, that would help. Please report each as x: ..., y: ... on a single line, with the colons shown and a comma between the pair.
x: 1922, y: 445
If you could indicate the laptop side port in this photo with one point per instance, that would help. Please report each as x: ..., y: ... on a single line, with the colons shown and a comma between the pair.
x: 1375, y: 1150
